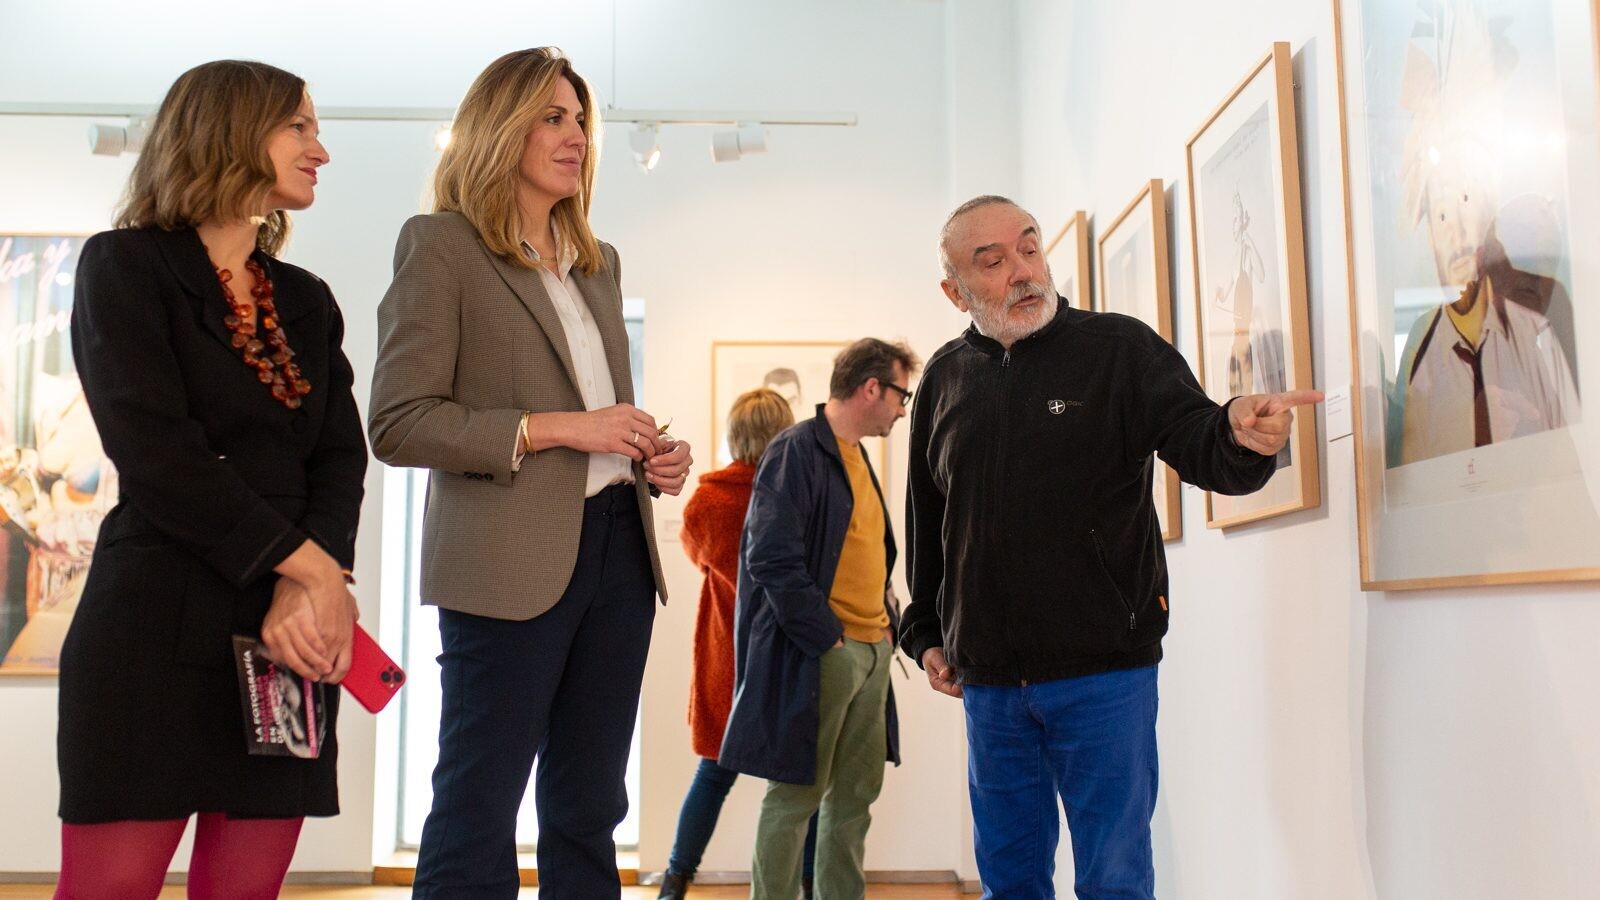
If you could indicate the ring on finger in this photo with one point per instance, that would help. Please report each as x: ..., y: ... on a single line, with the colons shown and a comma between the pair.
x: 635, y: 438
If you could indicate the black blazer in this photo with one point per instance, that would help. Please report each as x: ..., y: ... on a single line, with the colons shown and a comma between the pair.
x: 208, y: 460
x: 219, y: 482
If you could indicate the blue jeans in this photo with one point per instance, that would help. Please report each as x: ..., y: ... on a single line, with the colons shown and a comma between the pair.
x: 698, y: 819
x: 1092, y: 740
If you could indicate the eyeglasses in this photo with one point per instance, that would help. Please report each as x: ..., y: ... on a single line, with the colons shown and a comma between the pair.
x: 905, y: 395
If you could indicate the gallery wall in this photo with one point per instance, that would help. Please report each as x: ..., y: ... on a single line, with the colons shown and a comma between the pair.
x: 1317, y: 741
x: 828, y: 236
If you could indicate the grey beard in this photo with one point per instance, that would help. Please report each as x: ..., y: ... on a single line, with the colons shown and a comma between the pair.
x: 995, y: 324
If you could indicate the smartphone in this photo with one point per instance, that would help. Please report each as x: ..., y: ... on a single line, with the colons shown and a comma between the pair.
x: 374, y: 678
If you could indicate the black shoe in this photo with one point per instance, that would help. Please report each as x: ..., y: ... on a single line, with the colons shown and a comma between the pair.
x: 805, y: 888
x: 674, y: 886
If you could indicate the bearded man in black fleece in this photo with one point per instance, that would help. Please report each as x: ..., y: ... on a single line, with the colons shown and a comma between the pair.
x: 1038, y: 580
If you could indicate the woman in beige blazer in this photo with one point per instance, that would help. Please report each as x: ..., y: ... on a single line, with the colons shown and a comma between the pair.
x: 503, y: 368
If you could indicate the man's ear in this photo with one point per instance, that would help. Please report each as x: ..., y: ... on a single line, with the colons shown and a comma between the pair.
x: 950, y: 290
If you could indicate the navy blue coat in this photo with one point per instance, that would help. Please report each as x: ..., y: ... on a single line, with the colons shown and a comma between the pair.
x: 799, y: 513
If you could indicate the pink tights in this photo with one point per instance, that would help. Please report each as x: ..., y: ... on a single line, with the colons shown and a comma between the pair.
x: 233, y: 858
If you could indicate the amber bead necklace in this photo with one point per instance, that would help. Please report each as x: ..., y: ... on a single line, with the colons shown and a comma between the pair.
x: 270, y: 358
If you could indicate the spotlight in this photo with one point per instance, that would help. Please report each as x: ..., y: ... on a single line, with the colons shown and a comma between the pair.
x: 441, y: 138
x: 727, y: 146
x: 113, y: 140
x: 646, y: 143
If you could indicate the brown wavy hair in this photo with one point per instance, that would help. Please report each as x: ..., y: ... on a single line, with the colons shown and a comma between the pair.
x: 206, y: 156
x: 477, y: 176
x: 866, y: 359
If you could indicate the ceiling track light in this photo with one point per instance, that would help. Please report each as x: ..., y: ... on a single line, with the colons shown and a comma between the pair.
x: 729, y: 146
x: 726, y: 146
x: 115, y: 140
x: 645, y: 141
x: 445, y: 114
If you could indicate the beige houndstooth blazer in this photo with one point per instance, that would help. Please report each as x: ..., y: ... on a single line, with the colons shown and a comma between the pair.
x: 466, y: 342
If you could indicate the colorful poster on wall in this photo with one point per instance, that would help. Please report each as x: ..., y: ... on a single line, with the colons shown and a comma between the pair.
x: 55, y: 482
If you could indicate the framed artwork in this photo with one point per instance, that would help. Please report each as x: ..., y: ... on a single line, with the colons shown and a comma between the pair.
x: 1250, y: 274
x: 1471, y: 191
x: 1135, y: 281
x: 1068, y: 258
x: 56, y: 484
x: 798, y: 370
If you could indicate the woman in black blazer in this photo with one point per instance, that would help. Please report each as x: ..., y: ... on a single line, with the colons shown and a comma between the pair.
x: 216, y: 380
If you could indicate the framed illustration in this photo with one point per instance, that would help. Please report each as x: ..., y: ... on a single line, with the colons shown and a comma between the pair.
x: 55, y: 482
x: 1250, y: 274
x: 1471, y: 188
x: 1067, y: 255
x: 798, y: 370
x: 1135, y: 281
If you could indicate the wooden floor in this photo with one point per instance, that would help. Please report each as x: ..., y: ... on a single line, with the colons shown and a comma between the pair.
x: 707, y: 892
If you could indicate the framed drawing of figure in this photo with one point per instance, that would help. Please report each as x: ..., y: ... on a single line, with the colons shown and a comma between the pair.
x: 1135, y: 281
x: 56, y: 484
x: 1249, y: 273
x: 798, y: 370
x: 1473, y: 203
x: 1067, y: 255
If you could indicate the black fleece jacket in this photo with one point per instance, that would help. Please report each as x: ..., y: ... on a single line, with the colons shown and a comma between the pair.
x: 1033, y: 551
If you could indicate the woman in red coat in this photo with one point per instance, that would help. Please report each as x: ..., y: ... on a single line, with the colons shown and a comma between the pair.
x: 712, y: 522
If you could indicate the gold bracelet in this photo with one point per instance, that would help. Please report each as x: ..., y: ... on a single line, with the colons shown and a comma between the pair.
x: 527, y: 442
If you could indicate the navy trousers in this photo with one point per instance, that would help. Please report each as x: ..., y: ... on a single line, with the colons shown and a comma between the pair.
x: 562, y: 688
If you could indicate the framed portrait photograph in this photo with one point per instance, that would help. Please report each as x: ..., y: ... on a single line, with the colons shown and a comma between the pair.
x: 1135, y: 281
x: 1250, y: 274
x: 56, y: 484
x: 1067, y: 255
x: 797, y: 370
x: 1473, y: 201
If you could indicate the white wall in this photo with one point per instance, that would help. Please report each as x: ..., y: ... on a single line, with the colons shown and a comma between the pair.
x: 1317, y: 741
x: 828, y: 236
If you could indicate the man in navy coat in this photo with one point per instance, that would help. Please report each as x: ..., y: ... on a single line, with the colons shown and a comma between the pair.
x: 814, y: 630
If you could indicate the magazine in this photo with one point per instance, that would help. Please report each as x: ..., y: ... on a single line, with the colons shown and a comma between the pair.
x: 284, y: 714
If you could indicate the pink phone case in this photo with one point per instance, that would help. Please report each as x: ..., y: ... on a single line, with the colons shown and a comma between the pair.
x: 374, y: 678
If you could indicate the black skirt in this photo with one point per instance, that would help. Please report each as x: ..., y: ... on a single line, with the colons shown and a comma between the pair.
x: 151, y: 725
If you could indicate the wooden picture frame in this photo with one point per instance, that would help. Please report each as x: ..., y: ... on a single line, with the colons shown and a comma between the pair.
x: 1135, y: 280
x: 799, y: 370
x: 1067, y: 254
x: 1248, y: 265
x: 1451, y: 491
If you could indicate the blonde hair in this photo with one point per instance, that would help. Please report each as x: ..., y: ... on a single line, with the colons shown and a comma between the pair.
x: 756, y: 418
x: 477, y: 176
x: 206, y: 155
